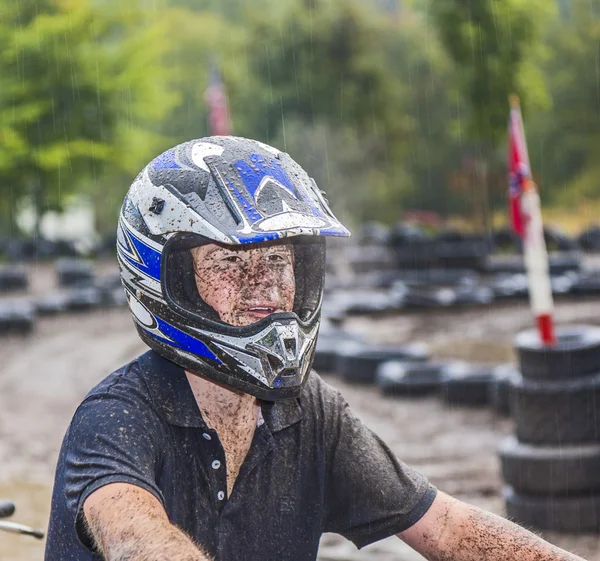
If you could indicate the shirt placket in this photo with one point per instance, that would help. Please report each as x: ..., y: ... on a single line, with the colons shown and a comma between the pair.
x: 215, y: 456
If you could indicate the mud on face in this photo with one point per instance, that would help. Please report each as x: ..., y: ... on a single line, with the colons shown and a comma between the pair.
x: 245, y: 284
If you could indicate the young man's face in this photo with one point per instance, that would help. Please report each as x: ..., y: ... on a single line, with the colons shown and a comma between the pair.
x: 245, y: 284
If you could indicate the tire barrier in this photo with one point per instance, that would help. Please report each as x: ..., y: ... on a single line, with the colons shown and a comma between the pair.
x: 330, y: 342
x: 589, y: 240
x: 36, y: 249
x: 401, y: 378
x: 13, y: 278
x: 558, y: 262
x: 587, y: 283
x: 550, y: 471
x: 373, y: 234
x: 499, y: 388
x: 422, y: 296
x: 467, y: 384
x: 576, y: 354
x: 72, y: 271
x: 358, y: 362
x: 81, y: 299
x: 577, y: 514
x: 553, y: 464
x: 365, y: 259
x: 16, y: 317
x: 556, y: 413
x: 52, y: 304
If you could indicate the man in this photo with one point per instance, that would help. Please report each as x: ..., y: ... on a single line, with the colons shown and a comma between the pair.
x: 219, y: 443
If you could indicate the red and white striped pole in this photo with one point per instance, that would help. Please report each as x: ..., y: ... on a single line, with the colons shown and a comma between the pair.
x: 534, y: 245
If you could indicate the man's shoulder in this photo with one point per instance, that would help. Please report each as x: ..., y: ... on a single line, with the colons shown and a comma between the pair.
x: 320, y: 397
x: 124, y: 380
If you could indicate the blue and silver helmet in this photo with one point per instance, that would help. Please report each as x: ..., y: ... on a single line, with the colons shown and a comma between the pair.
x: 231, y: 191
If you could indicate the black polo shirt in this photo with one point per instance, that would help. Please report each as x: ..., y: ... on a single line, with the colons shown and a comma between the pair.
x: 313, y: 467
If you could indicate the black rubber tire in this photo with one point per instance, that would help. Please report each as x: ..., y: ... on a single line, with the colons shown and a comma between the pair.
x: 113, y: 298
x: 427, y: 296
x: 576, y: 514
x: 589, y: 240
x: 556, y: 413
x: 13, y: 278
x: 474, y: 296
x: 435, y: 277
x: 16, y: 317
x: 550, y: 470
x: 373, y: 303
x: 52, y: 304
x: 7, y: 508
x: 329, y: 345
x: 84, y: 299
x: 587, y: 283
x: 467, y: 384
x: 373, y: 233
x: 576, y: 354
x: 470, y: 248
x: 358, y: 363
x: 499, y: 388
x: 411, y: 379
x: 509, y: 285
x: 558, y: 263
x: 73, y: 271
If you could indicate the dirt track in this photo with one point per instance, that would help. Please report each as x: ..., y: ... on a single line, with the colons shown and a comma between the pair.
x: 43, y: 377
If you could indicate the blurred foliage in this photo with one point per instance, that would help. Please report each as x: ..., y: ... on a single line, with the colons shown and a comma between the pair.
x: 492, y: 43
x: 75, y: 98
x: 389, y: 104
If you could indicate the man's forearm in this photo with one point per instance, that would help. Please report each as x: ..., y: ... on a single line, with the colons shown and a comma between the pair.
x: 144, y: 540
x: 127, y: 523
x: 473, y: 534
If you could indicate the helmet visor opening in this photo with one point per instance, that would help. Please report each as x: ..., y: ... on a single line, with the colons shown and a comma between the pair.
x: 244, y: 285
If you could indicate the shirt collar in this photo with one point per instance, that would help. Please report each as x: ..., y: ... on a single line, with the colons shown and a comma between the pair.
x: 171, y: 394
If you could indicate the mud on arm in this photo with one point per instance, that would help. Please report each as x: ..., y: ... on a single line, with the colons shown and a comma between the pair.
x: 128, y: 523
x: 455, y: 531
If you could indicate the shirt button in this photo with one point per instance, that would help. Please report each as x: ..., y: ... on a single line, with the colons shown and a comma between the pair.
x: 216, y: 464
x: 207, y: 436
x: 220, y: 495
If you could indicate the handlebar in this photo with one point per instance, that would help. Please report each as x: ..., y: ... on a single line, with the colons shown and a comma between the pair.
x: 21, y: 529
x: 6, y: 508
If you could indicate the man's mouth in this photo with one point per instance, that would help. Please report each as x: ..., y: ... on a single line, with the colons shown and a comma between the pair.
x: 262, y: 310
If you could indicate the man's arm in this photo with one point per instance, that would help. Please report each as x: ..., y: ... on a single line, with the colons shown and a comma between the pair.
x: 455, y: 531
x: 128, y: 523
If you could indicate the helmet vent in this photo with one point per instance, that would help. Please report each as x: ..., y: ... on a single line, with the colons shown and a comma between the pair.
x: 290, y: 347
x: 275, y: 363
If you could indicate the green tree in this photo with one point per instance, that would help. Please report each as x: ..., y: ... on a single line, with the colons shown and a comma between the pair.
x: 565, y: 138
x: 78, y: 87
x: 321, y: 65
x: 494, y: 47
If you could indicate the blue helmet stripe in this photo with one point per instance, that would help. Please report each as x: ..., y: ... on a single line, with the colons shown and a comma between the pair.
x: 252, y: 174
x: 150, y: 258
x: 184, y: 341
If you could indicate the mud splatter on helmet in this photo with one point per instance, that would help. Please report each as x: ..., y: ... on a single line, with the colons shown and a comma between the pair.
x: 232, y: 191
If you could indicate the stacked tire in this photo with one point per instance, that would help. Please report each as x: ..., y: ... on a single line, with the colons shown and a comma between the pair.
x: 552, y: 464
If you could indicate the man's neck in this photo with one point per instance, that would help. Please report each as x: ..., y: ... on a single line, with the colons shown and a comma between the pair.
x: 223, y: 409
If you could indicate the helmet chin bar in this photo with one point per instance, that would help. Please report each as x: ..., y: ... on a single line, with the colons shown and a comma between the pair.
x: 278, y: 355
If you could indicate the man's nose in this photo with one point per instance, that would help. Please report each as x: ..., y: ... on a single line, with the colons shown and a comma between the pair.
x: 259, y: 273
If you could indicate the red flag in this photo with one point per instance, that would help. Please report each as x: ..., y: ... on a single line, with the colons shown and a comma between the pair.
x: 518, y: 168
x: 219, y: 123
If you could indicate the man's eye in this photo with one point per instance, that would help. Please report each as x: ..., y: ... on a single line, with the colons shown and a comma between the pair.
x: 231, y: 259
x: 276, y: 258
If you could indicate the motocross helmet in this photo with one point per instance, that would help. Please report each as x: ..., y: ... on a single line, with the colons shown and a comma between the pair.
x: 231, y: 191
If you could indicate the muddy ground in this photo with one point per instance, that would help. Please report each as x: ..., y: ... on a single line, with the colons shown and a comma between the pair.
x: 44, y: 376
